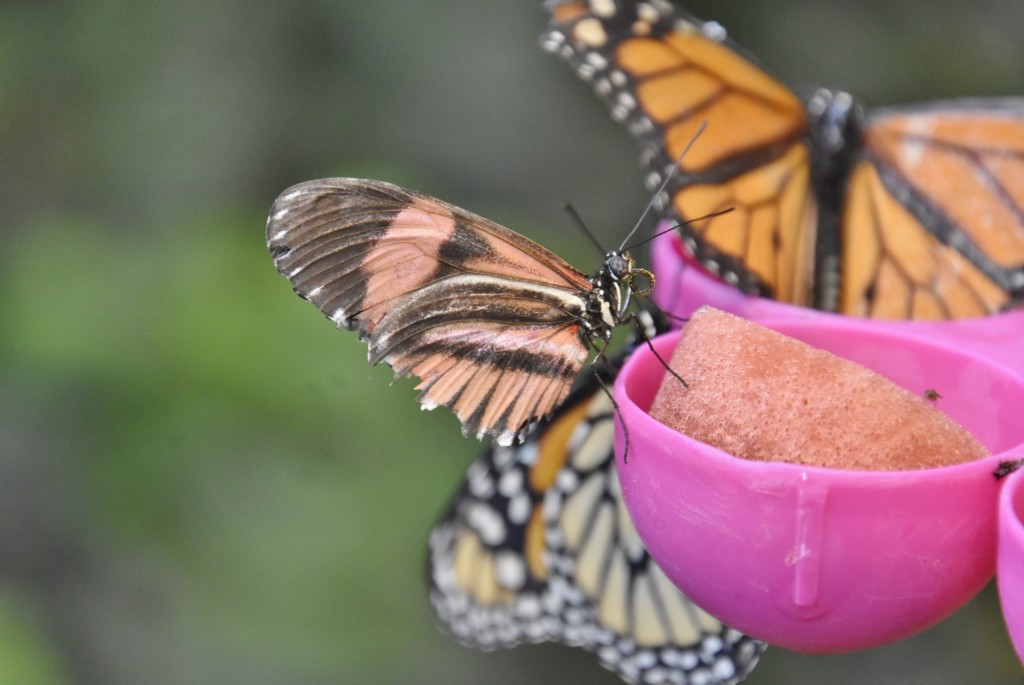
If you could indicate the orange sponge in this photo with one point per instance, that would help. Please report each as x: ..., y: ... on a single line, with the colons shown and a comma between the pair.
x: 758, y: 394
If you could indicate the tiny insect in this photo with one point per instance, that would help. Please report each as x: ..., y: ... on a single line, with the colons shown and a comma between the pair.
x: 495, y: 326
x: 931, y: 395
x: 1007, y: 467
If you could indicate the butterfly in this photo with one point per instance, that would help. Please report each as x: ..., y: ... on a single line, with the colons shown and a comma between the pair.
x: 496, y: 326
x: 913, y: 212
x: 537, y: 545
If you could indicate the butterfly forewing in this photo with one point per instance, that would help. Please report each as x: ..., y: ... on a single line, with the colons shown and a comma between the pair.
x: 538, y: 545
x: 487, y: 319
x: 663, y: 73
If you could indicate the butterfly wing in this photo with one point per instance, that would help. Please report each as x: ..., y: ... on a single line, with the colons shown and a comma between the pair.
x: 663, y: 73
x: 933, y: 226
x: 537, y: 545
x: 487, y: 319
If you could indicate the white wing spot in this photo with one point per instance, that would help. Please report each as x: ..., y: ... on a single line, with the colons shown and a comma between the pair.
x: 519, y: 508
x: 487, y: 523
x: 509, y: 570
x: 511, y: 483
x: 602, y: 8
x: 714, y: 31
x: 590, y: 32
x: 648, y: 13
x: 597, y: 60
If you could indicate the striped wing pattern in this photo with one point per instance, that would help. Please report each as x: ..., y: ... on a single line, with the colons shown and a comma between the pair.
x: 537, y: 545
x: 487, y: 319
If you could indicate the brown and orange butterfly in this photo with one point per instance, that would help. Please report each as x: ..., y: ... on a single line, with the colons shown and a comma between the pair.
x: 907, y: 213
x: 496, y: 326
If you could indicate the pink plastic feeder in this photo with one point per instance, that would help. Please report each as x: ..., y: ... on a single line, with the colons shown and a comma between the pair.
x: 682, y: 288
x: 1011, y: 558
x: 826, y: 560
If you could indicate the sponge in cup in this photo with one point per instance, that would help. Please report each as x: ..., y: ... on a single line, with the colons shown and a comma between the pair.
x: 758, y: 394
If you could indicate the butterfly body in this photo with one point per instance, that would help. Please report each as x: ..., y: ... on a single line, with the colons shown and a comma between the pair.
x: 496, y: 326
x: 912, y: 212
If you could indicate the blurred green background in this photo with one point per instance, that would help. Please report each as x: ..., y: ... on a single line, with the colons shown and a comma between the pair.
x: 201, y: 481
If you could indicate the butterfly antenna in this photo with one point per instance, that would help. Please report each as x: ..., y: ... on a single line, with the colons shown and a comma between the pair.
x: 648, y: 239
x: 583, y: 226
x: 664, y: 184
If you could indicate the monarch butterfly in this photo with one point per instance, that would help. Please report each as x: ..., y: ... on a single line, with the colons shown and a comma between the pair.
x: 906, y: 213
x: 496, y: 327
x: 537, y: 545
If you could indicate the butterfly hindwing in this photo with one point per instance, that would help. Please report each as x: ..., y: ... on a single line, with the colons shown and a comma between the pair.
x: 538, y: 545
x: 934, y: 217
x: 907, y: 213
x: 487, y: 319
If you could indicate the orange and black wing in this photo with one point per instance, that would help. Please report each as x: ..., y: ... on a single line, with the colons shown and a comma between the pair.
x: 487, y: 319
x: 933, y: 224
x: 663, y: 73
x: 537, y: 545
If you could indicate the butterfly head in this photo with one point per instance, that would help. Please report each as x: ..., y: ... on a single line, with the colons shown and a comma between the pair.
x: 621, y: 268
x: 614, y: 285
x: 837, y: 121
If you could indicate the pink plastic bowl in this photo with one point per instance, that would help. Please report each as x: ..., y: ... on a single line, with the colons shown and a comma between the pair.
x: 1011, y: 558
x: 815, y: 559
x: 682, y: 288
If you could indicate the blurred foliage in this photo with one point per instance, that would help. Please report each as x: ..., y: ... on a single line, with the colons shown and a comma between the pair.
x: 202, y: 481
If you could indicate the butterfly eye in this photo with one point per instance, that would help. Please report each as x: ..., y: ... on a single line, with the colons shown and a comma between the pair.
x: 618, y: 265
x: 646, y: 284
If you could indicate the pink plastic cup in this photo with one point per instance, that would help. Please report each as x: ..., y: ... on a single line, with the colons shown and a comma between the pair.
x: 1011, y: 558
x: 815, y: 559
x: 682, y: 288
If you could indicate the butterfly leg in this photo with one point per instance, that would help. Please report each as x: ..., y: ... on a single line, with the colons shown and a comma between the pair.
x: 643, y: 336
x: 601, y: 356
